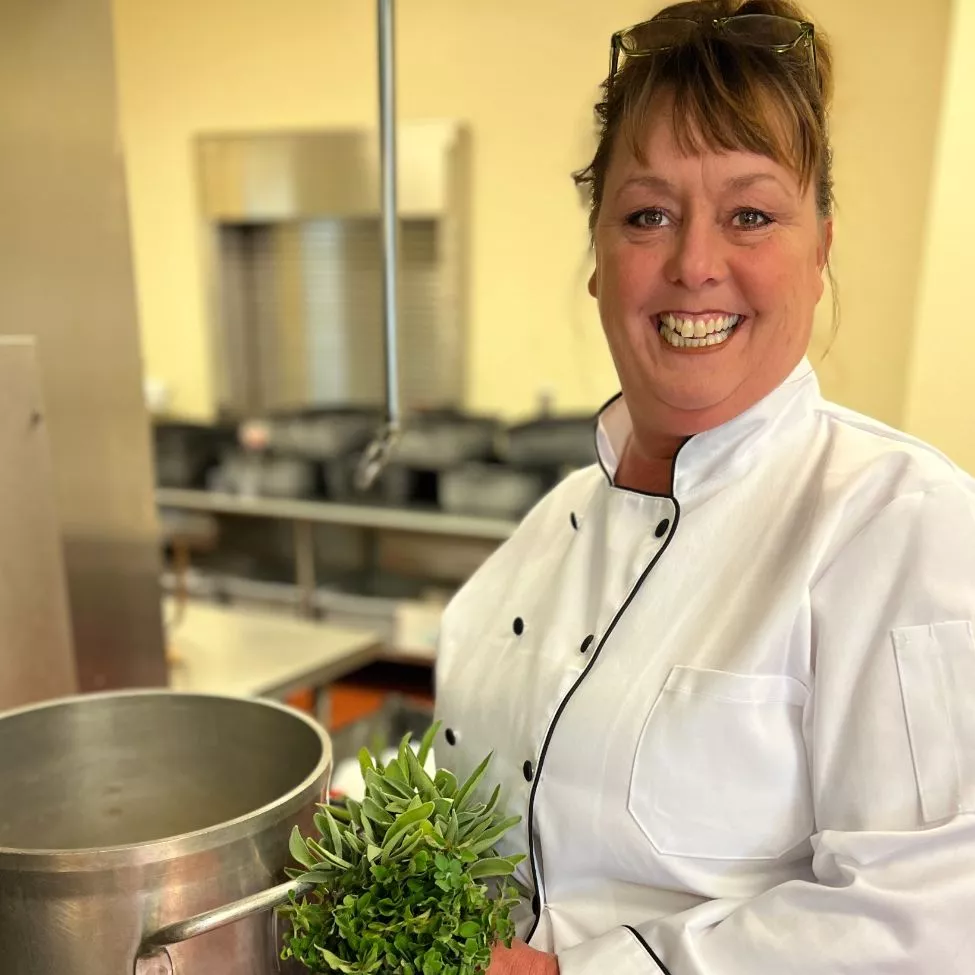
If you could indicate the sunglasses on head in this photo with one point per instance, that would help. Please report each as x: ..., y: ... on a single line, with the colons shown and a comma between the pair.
x: 781, y: 35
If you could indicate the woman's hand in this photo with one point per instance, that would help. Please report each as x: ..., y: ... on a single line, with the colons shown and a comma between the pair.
x: 519, y: 959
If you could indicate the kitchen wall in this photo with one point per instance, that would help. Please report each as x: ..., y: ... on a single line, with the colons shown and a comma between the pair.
x: 941, y: 395
x: 524, y: 76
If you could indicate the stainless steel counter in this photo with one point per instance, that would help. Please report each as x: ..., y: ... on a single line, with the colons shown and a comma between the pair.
x: 249, y: 653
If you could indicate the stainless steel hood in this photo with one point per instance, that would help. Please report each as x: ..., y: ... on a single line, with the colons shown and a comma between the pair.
x: 293, y: 222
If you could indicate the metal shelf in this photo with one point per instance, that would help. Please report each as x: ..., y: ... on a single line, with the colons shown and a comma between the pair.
x: 327, y: 512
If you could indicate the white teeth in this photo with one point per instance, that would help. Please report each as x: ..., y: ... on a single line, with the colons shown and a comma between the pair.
x: 682, y: 333
x: 691, y: 327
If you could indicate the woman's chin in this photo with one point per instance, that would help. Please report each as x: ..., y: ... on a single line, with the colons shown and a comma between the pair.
x: 689, y: 411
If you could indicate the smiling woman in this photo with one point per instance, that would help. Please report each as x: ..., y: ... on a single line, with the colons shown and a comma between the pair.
x: 735, y: 712
x: 711, y: 215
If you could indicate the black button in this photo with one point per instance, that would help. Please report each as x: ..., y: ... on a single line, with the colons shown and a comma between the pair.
x: 450, y: 736
x: 518, y: 626
x: 587, y: 643
x: 536, y: 904
x: 574, y: 520
x: 662, y: 528
x: 529, y: 771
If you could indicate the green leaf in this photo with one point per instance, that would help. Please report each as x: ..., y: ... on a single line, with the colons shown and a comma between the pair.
x: 427, y: 742
x: 408, y: 847
x: 404, y: 747
x: 299, y: 851
x: 446, y: 782
x: 419, y: 777
x: 491, y: 867
x: 334, y: 832
x: 443, y: 808
x: 381, y: 785
x: 477, y: 828
x: 332, y: 857
x: 339, y: 814
x: 372, y: 851
x: 432, y: 962
x: 471, y: 784
x: 487, y: 841
x: 395, y: 772
x: 432, y: 834
x: 368, y: 832
x: 355, y: 812
x: 336, y: 963
x: 453, y: 828
x: 493, y: 801
x: 355, y: 843
x: 314, y: 877
x: 469, y: 929
x: 375, y: 812
x: 365, y: 761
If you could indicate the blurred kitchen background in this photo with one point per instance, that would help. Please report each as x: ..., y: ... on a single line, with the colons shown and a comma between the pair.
x: 191, y: 321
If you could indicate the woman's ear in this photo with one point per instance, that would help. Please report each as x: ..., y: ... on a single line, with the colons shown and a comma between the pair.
x: 593, y: 290
x: 825, y: 243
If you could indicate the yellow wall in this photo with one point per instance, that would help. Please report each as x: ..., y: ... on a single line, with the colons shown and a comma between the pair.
x: 941, y: 397
x: 523, y: 74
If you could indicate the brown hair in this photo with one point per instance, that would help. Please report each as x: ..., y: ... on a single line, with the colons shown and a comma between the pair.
x: 726, y: 95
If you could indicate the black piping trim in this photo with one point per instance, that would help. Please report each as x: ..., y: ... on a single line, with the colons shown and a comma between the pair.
x: 643, y: 941
x: 595, y: 433
x: 612, y: 483
x: 568, y: 697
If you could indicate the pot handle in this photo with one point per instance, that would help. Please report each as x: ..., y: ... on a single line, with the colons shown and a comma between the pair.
x: 263, y: 900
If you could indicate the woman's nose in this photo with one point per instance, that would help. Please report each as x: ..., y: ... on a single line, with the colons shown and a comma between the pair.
x: 698, y: 257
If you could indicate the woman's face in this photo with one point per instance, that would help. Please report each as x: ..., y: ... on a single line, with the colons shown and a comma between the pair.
x: 708, y: 272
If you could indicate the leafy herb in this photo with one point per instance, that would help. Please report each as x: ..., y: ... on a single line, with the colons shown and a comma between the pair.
x: 399, y: 877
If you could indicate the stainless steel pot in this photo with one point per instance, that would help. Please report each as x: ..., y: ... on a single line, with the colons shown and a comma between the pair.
x: 124, y: 815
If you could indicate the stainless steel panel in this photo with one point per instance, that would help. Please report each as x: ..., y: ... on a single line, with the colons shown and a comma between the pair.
x: 66, y: 278
x: 36, y: 657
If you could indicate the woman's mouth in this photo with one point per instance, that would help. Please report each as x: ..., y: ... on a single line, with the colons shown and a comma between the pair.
x: 683, y: 331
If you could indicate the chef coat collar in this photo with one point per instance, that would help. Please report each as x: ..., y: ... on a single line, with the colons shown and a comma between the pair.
x: 715, y: 454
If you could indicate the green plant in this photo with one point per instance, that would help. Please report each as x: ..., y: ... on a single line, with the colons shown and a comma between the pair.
x: 407, y: 882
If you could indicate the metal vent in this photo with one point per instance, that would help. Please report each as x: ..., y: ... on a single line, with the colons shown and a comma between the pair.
x: 297, y: 269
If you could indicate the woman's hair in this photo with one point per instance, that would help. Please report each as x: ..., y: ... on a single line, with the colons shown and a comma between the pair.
x: 726, y: 94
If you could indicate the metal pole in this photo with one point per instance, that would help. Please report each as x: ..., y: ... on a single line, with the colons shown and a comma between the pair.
x: 387, y: 148
x: 376, y: 455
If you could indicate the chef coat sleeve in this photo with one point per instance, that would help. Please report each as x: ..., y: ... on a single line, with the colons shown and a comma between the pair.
x: 890, y: 735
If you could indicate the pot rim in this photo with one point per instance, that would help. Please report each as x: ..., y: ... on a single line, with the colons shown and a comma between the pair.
x: 182, y: 844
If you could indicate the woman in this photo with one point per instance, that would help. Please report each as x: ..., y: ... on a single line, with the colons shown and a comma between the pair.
x: 728, y: 675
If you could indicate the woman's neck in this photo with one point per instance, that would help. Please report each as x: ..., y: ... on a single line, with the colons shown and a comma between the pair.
x: 648, y: 468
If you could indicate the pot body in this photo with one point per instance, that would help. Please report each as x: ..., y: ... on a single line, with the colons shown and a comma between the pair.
x: 123, y: 813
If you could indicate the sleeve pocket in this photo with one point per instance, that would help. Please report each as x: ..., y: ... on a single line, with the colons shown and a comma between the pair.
x: 936, y: 669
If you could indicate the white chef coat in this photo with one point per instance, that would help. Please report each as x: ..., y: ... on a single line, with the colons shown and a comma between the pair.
x: 738, y: 720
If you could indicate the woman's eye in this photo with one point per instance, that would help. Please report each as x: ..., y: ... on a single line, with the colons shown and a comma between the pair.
x: 648, y: 219
x: 751, y: 220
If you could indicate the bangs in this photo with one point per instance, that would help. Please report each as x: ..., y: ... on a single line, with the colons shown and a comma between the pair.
x: 725, y: 97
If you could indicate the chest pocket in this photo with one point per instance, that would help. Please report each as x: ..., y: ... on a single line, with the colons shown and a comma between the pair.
x: 720, y: 769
